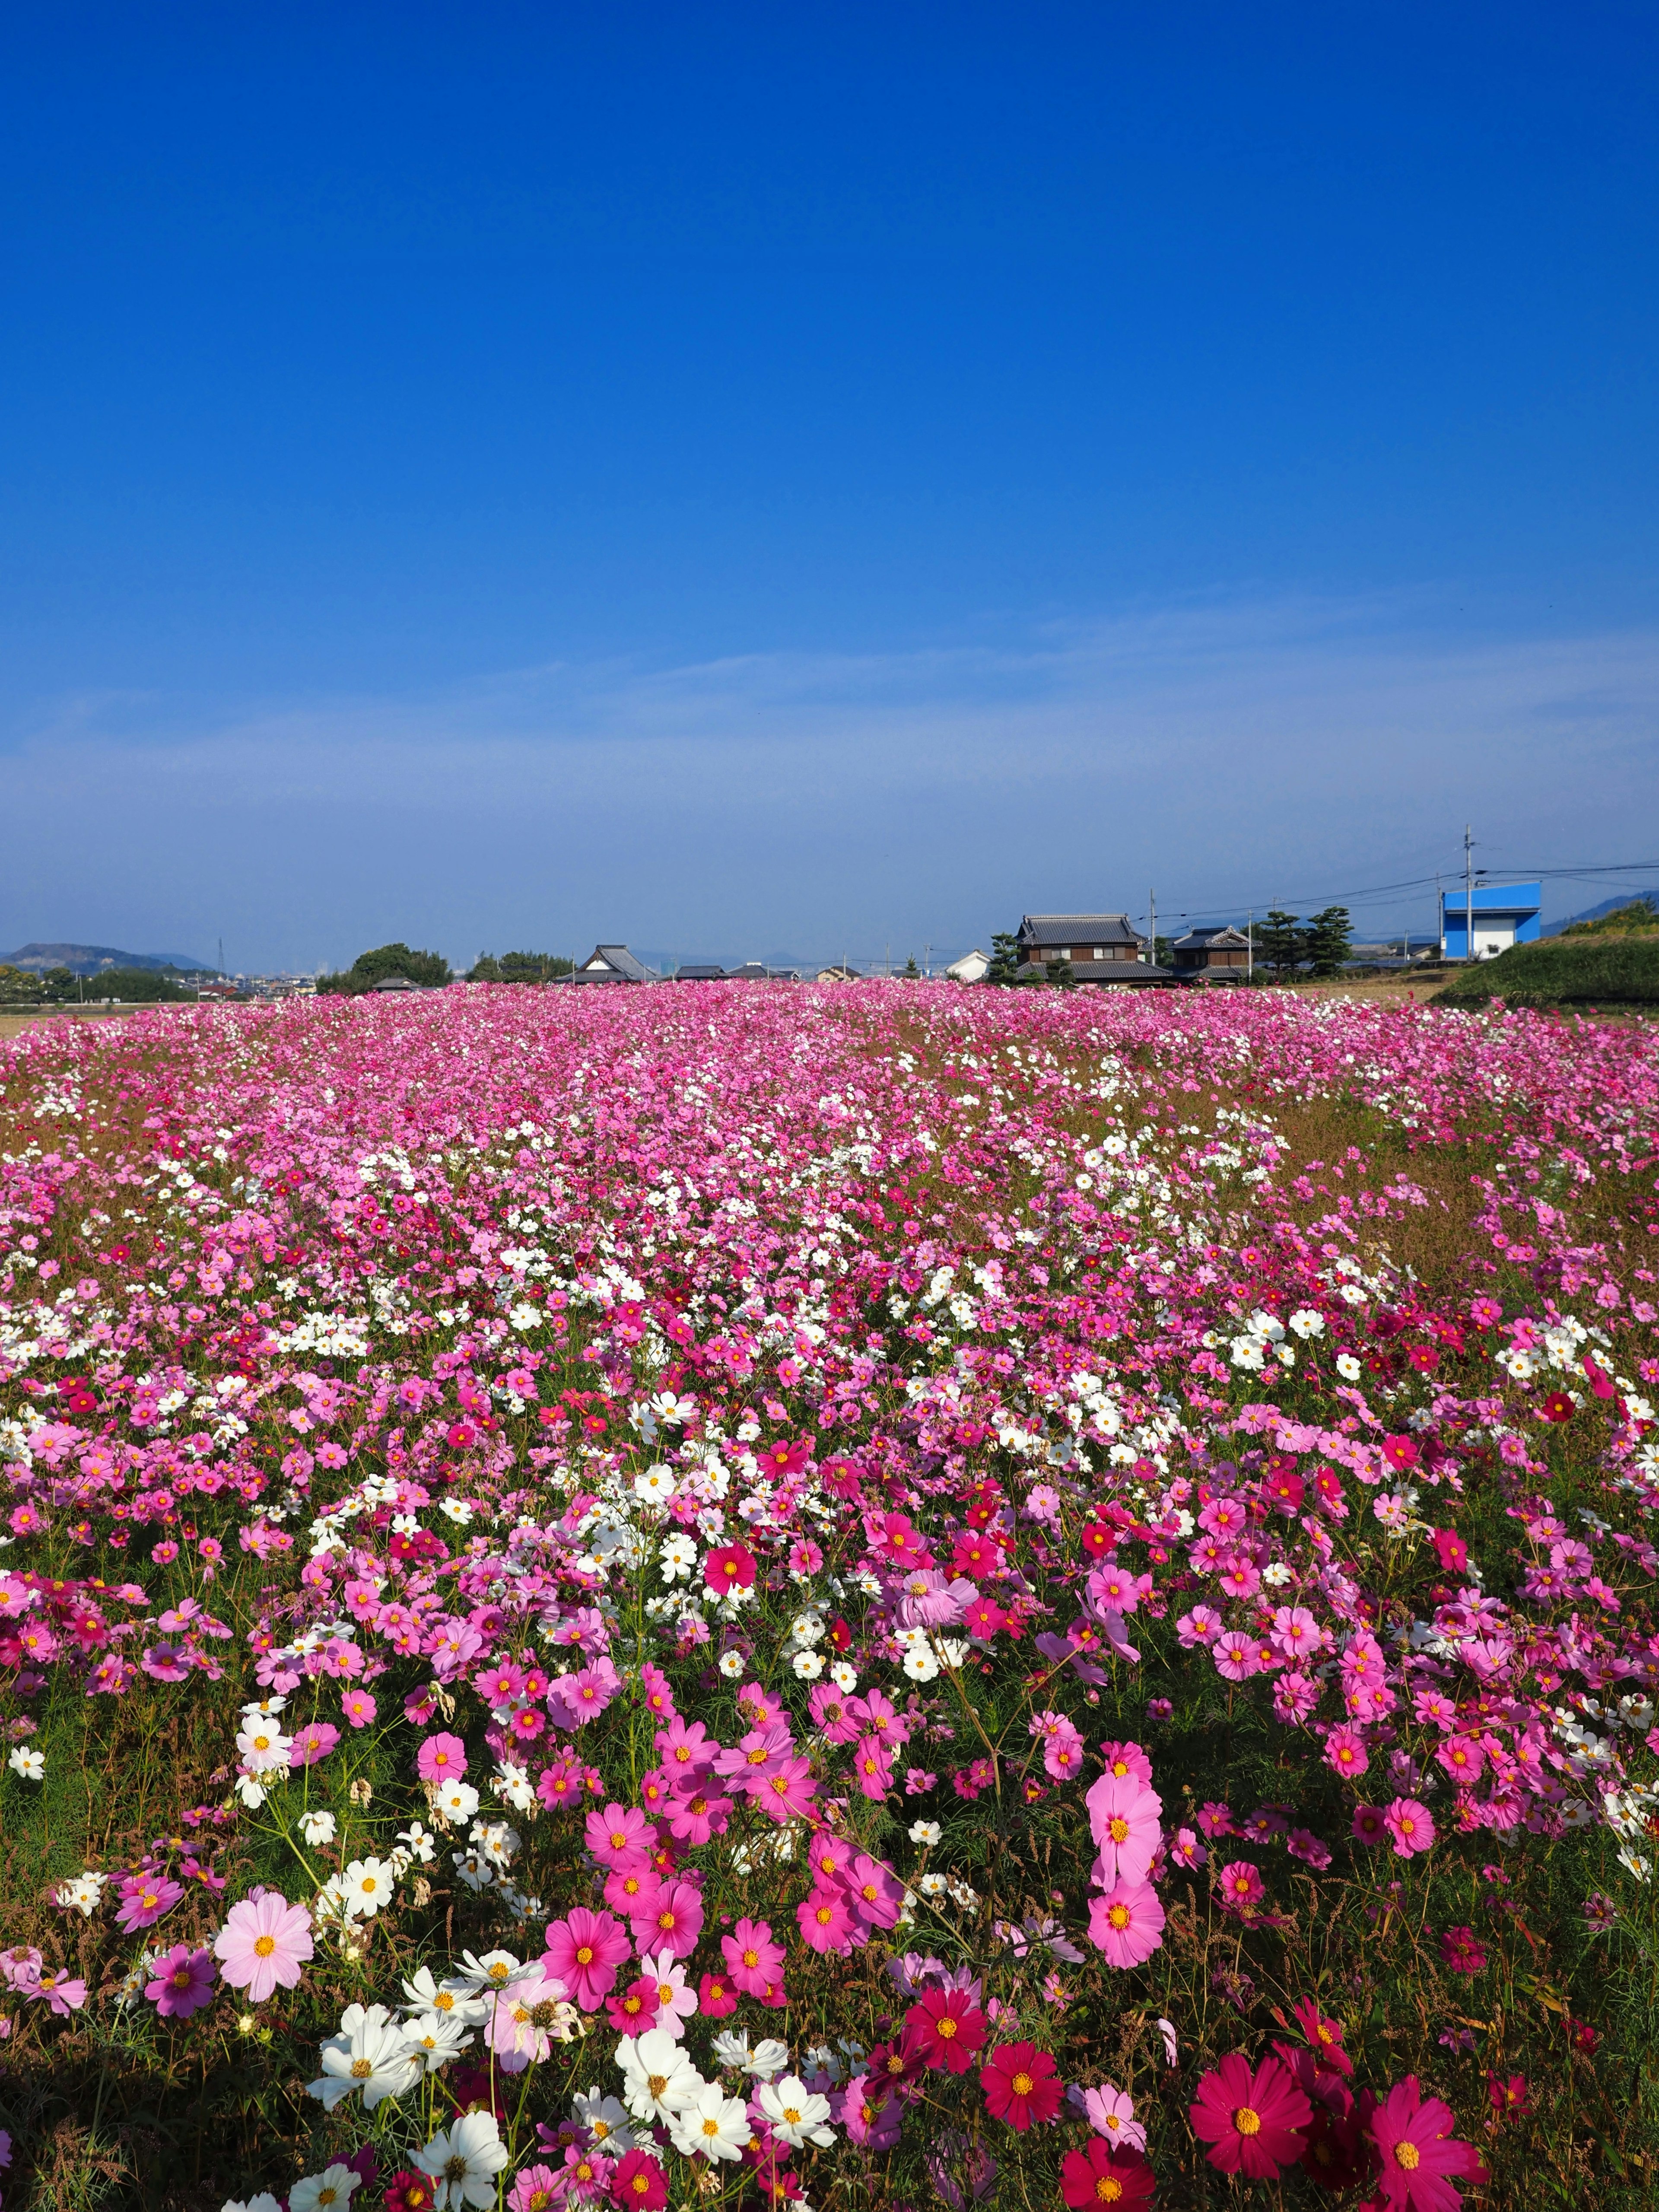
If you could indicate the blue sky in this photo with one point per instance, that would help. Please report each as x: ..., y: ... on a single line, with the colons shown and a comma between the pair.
x: 749, y: 480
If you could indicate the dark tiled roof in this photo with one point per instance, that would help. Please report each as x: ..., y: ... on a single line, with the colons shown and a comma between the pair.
x: 621, y: 961
x: 699, y: 972
x: 1214, y: 933
x: 1078, y: 929
x: 1127, y: 975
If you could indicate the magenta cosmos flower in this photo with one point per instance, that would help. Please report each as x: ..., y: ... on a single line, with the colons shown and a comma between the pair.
x: 752, y: 1959
x: 1123, y: 1816
x: 264, y: 1941
x: 1020, y: 2084
x: 585, y: 1950
x: 1419, y: 2152
x: 314, y: 1743
x: 1241, y: 1885
x: 442, y: 1759
x: 144, y: 1898
x: 1126, y: 1923
x: 1411, y: 1824
x: 183, y: 1983
x: 1251, y: 2121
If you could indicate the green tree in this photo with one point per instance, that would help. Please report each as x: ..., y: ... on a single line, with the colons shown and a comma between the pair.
x: 1329, y: 940
x: 1280, y: 943
x: 518, y: 968
x: 20, y: 986
x: 369, y: 969
x: 60, y: 986
x: 910, y: 972
x: 1005, y: 966
x: 142, y: 987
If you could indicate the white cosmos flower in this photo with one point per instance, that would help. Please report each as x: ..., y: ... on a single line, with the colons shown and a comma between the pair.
x: 252, y: 1793
x: 713, y: 2124
x: 607, y: 2121
x: 317, y: 1828
x: 262, y: 1746
x: 1306, y: 1322
x: 369, y: 2054
x: 418, y: 1843
x: 677, y: 1556
x: 27, y: 1764
x: 265, y: 1709
x: 657, y: 2078
x: 763, y: 2060
x: 464, y: 2162
x: 808, y: 1665
x: 1348, y: 1367
x: 455, y: 2000
x: 655, y: 1487
x: 925, y: 1832
x: 316, y: 2192
x: 264, y: 2202
x: 365, y: 1886
x: 845, y: 1677
x: 455, y: 1800
x: 435, y: 2038
x: 921, y: 1662
x: 795, y: 2113
x: 493, y: 1970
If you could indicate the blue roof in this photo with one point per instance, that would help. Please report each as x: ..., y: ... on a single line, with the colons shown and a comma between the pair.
x: 1495, y: 898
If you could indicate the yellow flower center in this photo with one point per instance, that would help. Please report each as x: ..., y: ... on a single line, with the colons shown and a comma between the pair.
x: 1107, y: 2190
x: 1118, y: 1915
x: 1247, y: 2121
x: 1408, y: 2156
x: 263, y: 1946
x: 1023, y: 2085
x: 1118, y: 1829
x: 947, y: 2027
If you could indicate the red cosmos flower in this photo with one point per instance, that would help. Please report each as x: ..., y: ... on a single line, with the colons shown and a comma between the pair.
x: 983, y: 1618
x: 715, y: 1997
x: 780, y: 1459
x: 1251, y: 2121
x: 639, y: 2181
x: 1558, y: 1407
x: 635, y: 2009
x: 1020, y: 2085
x: 948, y: 2027
x: 1418, y: 2151
x: 1399, y: 1451
x: 1338, y: 2152
x: 733, y: 1567
x: 1452, y: 1551
x: 1512, y: 2097
x: 1097, y: 2175
x: 1096, y: 1540
x: 840, y: 1635
x: 1323, y: 2034
x: 411, y: 2192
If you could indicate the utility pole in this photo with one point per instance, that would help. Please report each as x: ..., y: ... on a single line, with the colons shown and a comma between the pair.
x: 1468, y: 896
x: 1250, y: 943
x: 1151, y: 917
x: 927, y: 962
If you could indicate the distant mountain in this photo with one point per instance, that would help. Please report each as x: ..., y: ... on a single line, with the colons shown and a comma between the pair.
x: 1596, y: 913
x: 88, y: 959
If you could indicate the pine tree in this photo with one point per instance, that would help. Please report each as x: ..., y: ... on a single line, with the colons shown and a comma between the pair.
x: 1280, y: 943
x: 1005, y: 958
x: 1328, y: 939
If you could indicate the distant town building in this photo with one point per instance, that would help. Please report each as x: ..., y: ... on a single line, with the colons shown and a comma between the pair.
x: 973, y: 967
x: 1215, y: 954
x: 838, y: 976
x: 614, y: 963
x: 756, y: 971
x: 1102, y: 948
x: 698, y: 971
x: 387, y: 983
x: 1504, y: 914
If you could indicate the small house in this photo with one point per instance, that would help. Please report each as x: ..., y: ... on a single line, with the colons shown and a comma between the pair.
x: 1212, y: 955
x: 614, y: 963
x: 1503, y: 914
x: 1102, y: 948
x: 973, y: 967
x: 838, y: 975
x: 698, y: 971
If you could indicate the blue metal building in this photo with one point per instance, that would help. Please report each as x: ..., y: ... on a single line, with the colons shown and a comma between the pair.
x: 1504, y: 914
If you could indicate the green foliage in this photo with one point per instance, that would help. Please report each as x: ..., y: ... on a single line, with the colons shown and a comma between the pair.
x: 1640, y: 914
x: 1280, y: 946
x: 1005, y: 966
x: 518, y: 968
x: 1562, y: 971
x: 369, y: 969
x: 19, y: 985
x: 1328, y: 937
x: 144, y: 987
x: 910, y: 971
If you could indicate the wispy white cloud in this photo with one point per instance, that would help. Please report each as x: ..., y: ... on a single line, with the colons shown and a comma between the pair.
x: 1227, y: 752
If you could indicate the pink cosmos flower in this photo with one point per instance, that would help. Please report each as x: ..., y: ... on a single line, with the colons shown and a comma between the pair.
x: 825, y: 1923
x: 1123, y: 1818
x: 1345, y: 1751
x: 584, y: 1950
x: 872, y: 2114
x: 144, y: 1898
x: 1241, y: 1885
x: 1419, y: 2152
x: 1111, y: 2114
x: 1370, y: 1824
x: 1126, y: 1923
x: 442, y: 1759
x: 1411, y: 1826
x: 752, y: 1959
x: 1234, y: 1657
x: 1251, y: 2120
x: 621, y: 1836
x: 632, y: 2010
x: 183, y: 1982
x: 263, y: 1943
x: 669, y: 1917
x: 314, y: 1742
x: 1121, y: 1759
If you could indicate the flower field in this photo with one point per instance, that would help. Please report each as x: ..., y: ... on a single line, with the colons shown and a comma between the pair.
x: 858, y: 1597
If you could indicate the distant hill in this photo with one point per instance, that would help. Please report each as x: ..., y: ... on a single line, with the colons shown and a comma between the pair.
x: 1598, y: 912
x: 88, y: 959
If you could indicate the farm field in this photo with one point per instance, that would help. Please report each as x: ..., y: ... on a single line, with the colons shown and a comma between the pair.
x: 854, y: 1598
